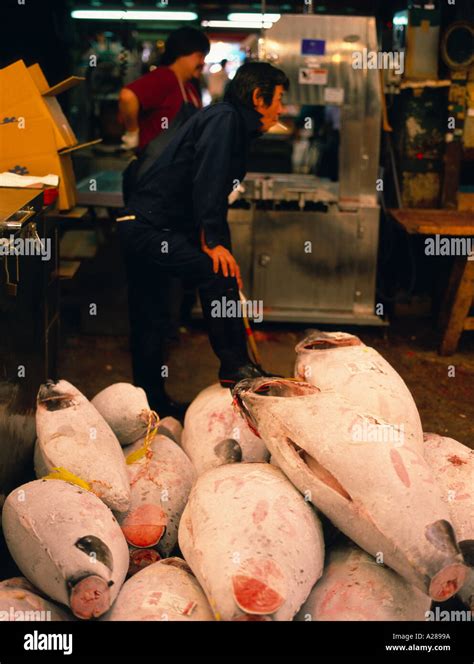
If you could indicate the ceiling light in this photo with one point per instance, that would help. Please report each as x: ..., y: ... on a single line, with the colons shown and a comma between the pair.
x: 400, y: 19
x: 132, y: 15
x: 238, y: 25
x: 242, y: 16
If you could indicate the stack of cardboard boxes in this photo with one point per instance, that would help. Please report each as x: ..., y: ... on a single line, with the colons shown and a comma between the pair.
x: 35, y: 136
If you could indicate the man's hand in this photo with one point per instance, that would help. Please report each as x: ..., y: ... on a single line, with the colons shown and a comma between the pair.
x: 130, y: 140
x: 222, y: 258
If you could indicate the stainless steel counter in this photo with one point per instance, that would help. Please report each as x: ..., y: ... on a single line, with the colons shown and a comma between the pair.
x: 19, y: 205
x: 305, y: 264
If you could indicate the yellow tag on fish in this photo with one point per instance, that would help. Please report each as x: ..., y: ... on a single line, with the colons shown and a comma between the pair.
x: 137, y: 455
x: 150, y: 434
x: 64, y: 474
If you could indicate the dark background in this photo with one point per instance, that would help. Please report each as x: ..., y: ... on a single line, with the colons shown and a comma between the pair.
x: 43, y: 30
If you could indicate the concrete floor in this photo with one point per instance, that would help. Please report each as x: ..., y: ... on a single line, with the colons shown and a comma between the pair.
x: 446, y: 404
x: 95, y: 353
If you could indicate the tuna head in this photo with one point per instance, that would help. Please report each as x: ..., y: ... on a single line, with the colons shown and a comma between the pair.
x: 382, y: 495
x: 319, y: 340
x: 249, y: 392
x: 56, y: 395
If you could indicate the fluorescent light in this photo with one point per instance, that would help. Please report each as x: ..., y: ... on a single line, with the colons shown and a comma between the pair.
x: 97, y: 13
x: 400, y: 19
x: 236, y: 24
x: 160, y: 16
x: 132, y: 15
x: 242, y: 16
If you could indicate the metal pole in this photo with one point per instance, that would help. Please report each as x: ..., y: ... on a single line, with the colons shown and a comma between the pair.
x: 261, y: 48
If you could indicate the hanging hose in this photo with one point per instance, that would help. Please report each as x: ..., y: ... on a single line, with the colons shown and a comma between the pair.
x: 248, y: 330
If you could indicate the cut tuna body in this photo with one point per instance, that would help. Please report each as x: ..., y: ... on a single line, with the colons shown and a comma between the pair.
x: 381, y: 495
x: 253, y: 543
x: 67, y: 543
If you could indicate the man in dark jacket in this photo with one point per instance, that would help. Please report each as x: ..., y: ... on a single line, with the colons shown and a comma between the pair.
x: 176, y: 224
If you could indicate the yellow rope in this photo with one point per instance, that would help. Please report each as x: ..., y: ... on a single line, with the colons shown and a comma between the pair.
x: 153, y: 421
x: 60, y: 473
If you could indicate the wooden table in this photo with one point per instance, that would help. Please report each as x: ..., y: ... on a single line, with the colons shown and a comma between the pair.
x: 459, y: 296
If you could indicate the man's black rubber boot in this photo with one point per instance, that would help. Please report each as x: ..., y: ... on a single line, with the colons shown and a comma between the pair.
x: 231, y: 378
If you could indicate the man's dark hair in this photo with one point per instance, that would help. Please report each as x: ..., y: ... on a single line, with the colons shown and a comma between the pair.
x: 253, y: 75
x: 184, y: 41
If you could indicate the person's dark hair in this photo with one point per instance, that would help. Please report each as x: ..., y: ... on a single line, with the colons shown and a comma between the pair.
x: 253, y: 75
x: 184, y: 41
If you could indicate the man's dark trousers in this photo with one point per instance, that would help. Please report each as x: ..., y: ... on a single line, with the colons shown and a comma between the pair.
x: 151, y: 257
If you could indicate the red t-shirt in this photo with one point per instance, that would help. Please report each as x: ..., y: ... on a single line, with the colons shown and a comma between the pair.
x: 160, y: 97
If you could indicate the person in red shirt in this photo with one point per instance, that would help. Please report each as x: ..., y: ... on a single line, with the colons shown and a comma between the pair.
x: 149, y: 104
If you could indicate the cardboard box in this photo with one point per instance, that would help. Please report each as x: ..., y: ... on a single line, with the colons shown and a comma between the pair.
x: 65, y: 136
x: 43, y: 140
x: 35, y: 137
x: 42, y: 161
x: 25, y: 93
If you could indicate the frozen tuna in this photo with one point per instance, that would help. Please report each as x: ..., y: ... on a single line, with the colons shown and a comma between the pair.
x: 67, y: 543
x: 19, y: 583
x: 161, y: 477
x: 171, y: 427
x: 214, y: 434
x: 355, y: 587
x: 383, y: 496
x: 19, y: 602
x: 141, y: 558
x: 72, y: 435
x: 342, y: 362
x: 125, y: 408
x: 166, y: 590
x: 453, y: 466
x: 254, y: 544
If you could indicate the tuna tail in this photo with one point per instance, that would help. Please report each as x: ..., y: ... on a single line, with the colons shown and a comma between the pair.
x: 450, y: 578
x: 441, y: 535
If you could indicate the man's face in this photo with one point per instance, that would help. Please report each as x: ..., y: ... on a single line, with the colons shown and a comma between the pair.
x: 193, y: 64
x: 271, y: 114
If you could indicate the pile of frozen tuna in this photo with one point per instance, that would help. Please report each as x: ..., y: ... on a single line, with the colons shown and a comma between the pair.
x: 206, y: 528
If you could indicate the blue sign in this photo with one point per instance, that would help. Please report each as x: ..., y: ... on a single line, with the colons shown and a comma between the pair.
x: 313, y: 46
